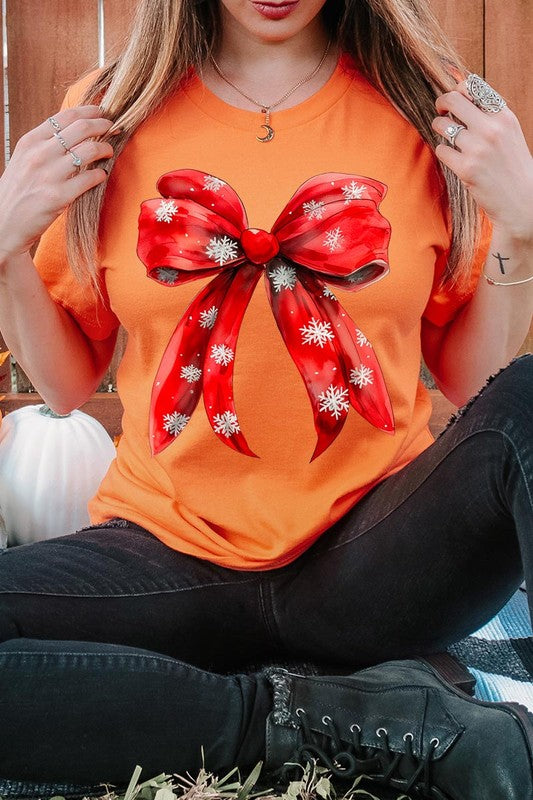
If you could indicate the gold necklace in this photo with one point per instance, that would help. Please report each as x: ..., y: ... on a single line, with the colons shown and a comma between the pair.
x: 267, y: 107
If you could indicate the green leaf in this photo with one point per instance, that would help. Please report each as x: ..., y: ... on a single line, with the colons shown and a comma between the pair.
x: 159, y: 780
x: 165, y: 793
x: 293, y: 789
x: 323, y: 788
x: 222, y: 781
x: 130, y: 791
x: 146, y: 793
x: 250, y: 782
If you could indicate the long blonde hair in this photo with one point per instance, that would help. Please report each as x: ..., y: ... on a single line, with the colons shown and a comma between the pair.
x: 396, y: 44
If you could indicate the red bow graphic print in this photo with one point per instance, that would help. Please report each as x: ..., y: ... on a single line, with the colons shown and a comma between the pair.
x: 331, y: 232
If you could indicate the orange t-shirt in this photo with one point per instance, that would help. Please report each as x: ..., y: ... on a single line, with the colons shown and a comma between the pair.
x: 198, y: 495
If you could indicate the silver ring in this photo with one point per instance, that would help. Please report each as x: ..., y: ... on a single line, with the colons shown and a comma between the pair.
x: 453, y: 131
x: 54, y: 123
x: 62, y: 141
x: 76, y: 160
x: 483, y: 95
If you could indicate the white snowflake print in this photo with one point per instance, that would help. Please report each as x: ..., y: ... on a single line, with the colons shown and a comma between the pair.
x: 212, y: 183
x: 352, y: 192
x: 362, y: 341
x: 334, y: 400
x: 222, y: 249
x: 362, y: 376
x: 208, y: 317
x: 314, y: 209
x: 317, y: 332
x: 226, y: 423
x: 167, y: 275
x: 166, y: 211
x: 191, y: 373
x: 174, y: 423
x: 333, y: 240
x: 328, y: 293
x: 283, y: 277
x: 222, y: 354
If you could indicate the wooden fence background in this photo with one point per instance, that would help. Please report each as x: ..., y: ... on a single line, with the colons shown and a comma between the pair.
x: 51, y: 42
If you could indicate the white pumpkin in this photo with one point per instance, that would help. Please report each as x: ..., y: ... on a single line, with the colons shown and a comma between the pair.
x: 50, y: 467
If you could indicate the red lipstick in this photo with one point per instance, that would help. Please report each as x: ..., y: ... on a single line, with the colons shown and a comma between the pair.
x: 275, y: 10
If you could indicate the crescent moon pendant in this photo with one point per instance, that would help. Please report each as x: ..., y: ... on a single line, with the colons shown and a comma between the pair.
x: 268, y: 136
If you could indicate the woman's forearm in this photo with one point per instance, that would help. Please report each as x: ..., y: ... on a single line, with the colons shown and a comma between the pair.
x: 490, y: 155
x: 57, y: 357
x: 492, y: 327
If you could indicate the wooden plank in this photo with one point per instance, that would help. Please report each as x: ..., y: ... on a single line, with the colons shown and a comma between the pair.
x: 106, y: 407
x: 509, y: 56
x: 41, y: 67
x: 5, y: 371
x: 2, y: 101
x: 509, y: 66
x: 73, y: 27
x: 463, y: 23
x: 5, y: 376
x: 118, y: 16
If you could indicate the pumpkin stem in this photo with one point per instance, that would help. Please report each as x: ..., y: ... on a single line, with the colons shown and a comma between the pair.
x: 46, y: 411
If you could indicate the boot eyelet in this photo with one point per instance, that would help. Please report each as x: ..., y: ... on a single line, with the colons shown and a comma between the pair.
x: 435, y: 742
x: 326, y: 720
x: 408, y: 737
x: 355, y: 727
x: 382, y: 732
x: 300, y: 711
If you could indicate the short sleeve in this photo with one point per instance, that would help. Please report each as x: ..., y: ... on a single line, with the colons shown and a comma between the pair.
x: 91, y: 311
x: 445, y: 302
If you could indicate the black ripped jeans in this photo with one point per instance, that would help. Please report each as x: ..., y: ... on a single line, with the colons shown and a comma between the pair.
x: 116, y: 650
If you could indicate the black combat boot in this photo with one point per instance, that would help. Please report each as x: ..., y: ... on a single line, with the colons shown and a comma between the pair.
x: 405, y: 727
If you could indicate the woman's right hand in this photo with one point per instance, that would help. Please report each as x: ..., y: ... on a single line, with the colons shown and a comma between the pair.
x: 41, y: 180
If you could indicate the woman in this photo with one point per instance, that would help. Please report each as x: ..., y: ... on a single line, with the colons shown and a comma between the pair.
x: 299, y: 141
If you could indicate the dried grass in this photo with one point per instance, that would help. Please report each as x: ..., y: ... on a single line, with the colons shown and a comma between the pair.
x: 315, y: 783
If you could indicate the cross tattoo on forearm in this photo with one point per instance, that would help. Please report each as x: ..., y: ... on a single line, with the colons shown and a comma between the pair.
x: 501, y: 259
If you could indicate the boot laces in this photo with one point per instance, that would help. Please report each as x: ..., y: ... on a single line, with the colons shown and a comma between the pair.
x: 349, y: 758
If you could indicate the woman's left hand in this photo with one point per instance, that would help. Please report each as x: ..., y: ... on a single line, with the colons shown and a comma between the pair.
x: 491, y: 158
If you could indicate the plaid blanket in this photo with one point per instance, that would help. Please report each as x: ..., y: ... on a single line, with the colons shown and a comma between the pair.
x: 499, y: 655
